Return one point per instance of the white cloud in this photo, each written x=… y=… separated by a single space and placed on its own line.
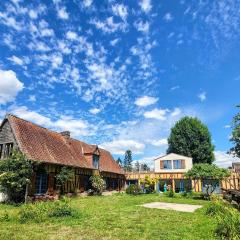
x=108 y=26
x=202 y=96
x=10 y=86
x=77 y=127
x=62 y=13
x=71 y=35
x=142 y=26
x=114 y=41
x=56 y=60
x=159 y=143
x=120 y=10
x=120 y=146
x=145 y=5
x=95 y=110
x=156 y=113
x=33 y=14
x=32 y=98
x=168 y=17
x=224 y=160
x=176 y=112
x=145 y=101
x=16 y=60
x=87 y=3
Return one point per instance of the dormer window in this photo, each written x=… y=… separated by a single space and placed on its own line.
x=95 y=161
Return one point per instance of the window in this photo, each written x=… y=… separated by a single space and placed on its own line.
x=177 y=164
x=8 y=149
x=41 y=183
x=95 y=161
x=1 y=150
x=167 y=164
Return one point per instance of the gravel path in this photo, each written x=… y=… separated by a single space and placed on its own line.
x=172 y=206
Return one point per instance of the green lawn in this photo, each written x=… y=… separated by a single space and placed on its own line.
x=115 y=217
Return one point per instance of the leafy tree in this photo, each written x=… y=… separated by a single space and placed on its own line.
x=235 y=138
x=148 y=184
x=119 y=161
x=65 y=174
x=145 y=167
x=98 y=184
x=127 y=164
x=15 y=177
x=203 y=171
x=191 y=138
x=137 y=166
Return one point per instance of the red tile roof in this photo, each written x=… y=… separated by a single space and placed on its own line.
x=41 y=144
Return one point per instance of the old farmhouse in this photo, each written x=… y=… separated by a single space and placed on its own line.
x=54 y=150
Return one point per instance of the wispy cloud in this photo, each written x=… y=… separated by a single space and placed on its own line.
x=145 y=101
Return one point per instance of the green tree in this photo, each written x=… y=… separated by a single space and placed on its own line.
x=137 y=166
x=203 y=171
x=15 y=177
x=191 y=138
x=65 y=174
x=127 y=164
x=235 y=138
x=119 y=161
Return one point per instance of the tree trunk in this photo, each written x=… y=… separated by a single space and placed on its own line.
x=26 y=193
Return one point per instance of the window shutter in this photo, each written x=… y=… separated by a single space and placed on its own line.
x=183 y=164
x=161 y=165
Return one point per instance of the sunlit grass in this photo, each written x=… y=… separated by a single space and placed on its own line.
x=114 y=217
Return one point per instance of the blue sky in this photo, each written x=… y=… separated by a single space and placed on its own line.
x=121 y=73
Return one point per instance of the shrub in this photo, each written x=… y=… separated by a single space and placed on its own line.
x=98 y=184
x=61 y=209
x=215 y=208
x=133 y=189
x=170 y=193
x=147 y=184
x=5 y=217
x=39 y=212
x=228 y=226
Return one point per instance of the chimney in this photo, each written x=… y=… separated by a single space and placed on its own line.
x=66 y=134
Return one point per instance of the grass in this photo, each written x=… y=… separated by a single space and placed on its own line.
x=114 y=217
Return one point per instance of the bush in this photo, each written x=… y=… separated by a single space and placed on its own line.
x=170 y=193
x=133 y=189
x=228 y=226
x=5 y=217
x=39 y=212
x=98 y=184
x=216 y=208
x=61 y=209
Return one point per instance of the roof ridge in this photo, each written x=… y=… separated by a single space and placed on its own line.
x=50 y=130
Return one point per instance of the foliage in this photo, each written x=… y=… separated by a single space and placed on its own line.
x=144 y=167
x=65 y=174
x=98 y=184
x=215 y=208
x=61 y=209
x=170 y=193
x=235 y=137
x=127 y=163
x=15 y=176
x=207 y=171
x=119 y=161
x=228 y=226
x=133 y=189
x=137 y=166
x=148 y=184
x=191 y=138
x=5 y=217
x=41 y=211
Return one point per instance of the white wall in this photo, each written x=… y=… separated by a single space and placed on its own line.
x=172 y=156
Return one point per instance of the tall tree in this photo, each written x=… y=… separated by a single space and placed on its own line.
x=128 y=161
x=137 y=166
x=235 y=138
x=191 y=138
x=119 y=161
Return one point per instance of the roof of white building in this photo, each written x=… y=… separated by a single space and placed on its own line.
x=172 y=156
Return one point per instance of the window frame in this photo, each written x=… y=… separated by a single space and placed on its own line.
x=179 y=165
x=8 y=148
x=168 y=164
x=41 y=184
x=1 y=150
